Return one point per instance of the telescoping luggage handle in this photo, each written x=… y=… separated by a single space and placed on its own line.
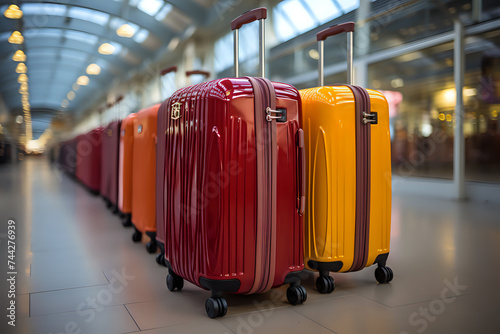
x=321 y=36
x=259 y=14
x=194 y=72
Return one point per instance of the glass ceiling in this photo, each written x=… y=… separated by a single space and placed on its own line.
x=312 y=13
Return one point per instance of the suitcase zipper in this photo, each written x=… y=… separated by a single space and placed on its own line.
x=363 y=160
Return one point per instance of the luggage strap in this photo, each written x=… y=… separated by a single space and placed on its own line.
x=266 y=199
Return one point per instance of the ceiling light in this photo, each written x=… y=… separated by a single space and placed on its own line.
x=125 y=31
x=22 y=78
x=19 y=56
x=71 y=95
x=314 y=54
x=64 y=103
x=106 y=49
x=24 y=87
x=75 y=87
x=21 y=68
x=13 y=12
x=93 y=69
x=83 y=80
x=16 y=38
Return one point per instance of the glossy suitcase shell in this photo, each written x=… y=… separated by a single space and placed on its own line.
x=125 y=164
x=144 y=174
x=330 y=126
x=89 y=159
x=109 y=164
x=348 y=164
x=210 y=186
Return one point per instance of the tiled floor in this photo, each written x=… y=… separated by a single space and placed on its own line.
x=79 y=272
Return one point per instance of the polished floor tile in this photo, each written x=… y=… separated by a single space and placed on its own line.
x=75 y=259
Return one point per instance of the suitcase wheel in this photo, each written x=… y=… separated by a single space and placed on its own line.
x=174 y=282
x=216 y=307
x=325 y=284
x=160 y=259
x=127 y=222
x=137 y=236
x=296 y=294
x=151 y=247
x=384 y=274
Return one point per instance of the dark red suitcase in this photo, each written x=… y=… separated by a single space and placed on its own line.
x=233 y=147
x=109 y=164
x=88 y=168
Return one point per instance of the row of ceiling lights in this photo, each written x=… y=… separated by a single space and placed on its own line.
x=125 y=31
x=13 y=12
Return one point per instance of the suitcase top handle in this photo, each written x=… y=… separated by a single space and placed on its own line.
x=249 y=17
x=259 y=14
x=168 y=70
x=335 y=30
x=321 y=36
x=194 y=72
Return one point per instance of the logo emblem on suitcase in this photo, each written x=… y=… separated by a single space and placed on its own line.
x=110 y=132
x=176 y=110
x=139 y=129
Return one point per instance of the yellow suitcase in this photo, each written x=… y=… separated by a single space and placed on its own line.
x=348 y=166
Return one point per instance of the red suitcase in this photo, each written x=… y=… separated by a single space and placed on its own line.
x=233 y=147
x=160 y=164
x=109 y=164
x=88 y=168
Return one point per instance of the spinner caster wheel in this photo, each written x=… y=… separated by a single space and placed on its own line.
x=159 y=259
x=216 y=307
x=296 y=295
x=151 y=247
x=127 y=222
x=325 y=284
x=174 y=282
x=384 y=275
x=137 y=236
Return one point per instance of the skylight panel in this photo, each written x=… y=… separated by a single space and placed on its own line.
x=295 y=10
x=88 y=15
x=164 y=12
x=323 y=10
x=141 y=36
x=348 y=5
x=43 y=8
x=150 y=7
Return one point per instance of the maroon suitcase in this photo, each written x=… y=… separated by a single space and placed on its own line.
x=109 y=164
x=88 y=168
x=160 y=167
x=233 y=185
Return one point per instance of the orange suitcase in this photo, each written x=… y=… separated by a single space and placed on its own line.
x=125 y=168
x=348 y=165
x=144 y=176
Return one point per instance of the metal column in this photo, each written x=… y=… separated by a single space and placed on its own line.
x=459 y=141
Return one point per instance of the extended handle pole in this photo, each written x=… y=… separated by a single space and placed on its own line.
x=332 y=31
x=259 y=14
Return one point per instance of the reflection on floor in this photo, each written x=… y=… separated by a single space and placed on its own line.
x=79 y=272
